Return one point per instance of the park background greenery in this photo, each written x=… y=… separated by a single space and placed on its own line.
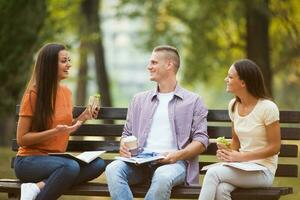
x=210 y=35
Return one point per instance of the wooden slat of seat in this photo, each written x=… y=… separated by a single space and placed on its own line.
x=191 y=192
x=283 y=170
x=10 y=185
x=89 y=189
x=272 y=193
x=178 y=192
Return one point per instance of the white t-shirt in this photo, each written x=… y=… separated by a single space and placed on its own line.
x=251 y=129
x=160 y=138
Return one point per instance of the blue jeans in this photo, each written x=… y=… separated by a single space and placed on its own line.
x=58 y=173
x=120 y=175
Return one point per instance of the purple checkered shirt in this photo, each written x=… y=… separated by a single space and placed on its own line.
x=187 y=115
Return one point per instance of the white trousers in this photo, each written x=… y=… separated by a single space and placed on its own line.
x=220 y=181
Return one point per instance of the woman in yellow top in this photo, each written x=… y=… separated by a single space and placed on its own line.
x=255 y=135
x=44 y=126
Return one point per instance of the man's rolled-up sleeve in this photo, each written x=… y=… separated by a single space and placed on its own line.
x=199 y=124
x=127 y=130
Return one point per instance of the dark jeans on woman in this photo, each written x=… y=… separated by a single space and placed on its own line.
x=58 y=173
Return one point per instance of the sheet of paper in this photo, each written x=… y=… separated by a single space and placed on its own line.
x=88 y=156
x=136 y=160
x=85 y=157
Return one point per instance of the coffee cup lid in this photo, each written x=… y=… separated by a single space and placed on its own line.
x=130 y=138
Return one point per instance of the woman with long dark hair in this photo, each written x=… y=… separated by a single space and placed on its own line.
x=255 y=135
x=44 y=126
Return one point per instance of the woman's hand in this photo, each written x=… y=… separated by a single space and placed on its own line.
x=88 y=114
x=92 y=113
x=68 y=129
x=229 y=155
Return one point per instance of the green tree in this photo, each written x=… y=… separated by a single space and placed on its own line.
x=92 y=41
x=212 y=34
x=21 y=22
x=257 y=37
x=83 y=28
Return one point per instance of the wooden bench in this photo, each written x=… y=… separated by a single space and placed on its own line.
x=104 y=136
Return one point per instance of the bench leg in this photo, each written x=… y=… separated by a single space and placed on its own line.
x=13 y=196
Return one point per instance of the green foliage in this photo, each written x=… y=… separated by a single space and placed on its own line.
x=285 y=35
x=62 y=22
x=208 y=34
x=212 y=34
x=21 y=22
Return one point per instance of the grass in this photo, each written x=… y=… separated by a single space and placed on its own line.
x=7 y=172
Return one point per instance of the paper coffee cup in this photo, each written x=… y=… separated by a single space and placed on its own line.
x=131 y=143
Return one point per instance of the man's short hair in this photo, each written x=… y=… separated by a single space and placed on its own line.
x=171 y=53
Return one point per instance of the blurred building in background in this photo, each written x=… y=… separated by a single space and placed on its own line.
x=126 y=63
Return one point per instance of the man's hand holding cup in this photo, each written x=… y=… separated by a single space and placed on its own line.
x=129 y=146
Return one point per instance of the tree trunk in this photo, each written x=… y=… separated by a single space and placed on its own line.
x=90 y=9
x=82 y=75
x=257 y=26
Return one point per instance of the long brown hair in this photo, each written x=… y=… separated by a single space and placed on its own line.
x=251 y=74
x=44 y=80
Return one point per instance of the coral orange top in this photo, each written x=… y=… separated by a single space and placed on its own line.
x=62 y=115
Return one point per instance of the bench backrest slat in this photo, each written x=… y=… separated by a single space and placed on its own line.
x=222 y=116
x=287 y=150
x=213 y=115
x=100 y=130
x=105 y=112
x=214 y=131
x=286 y=133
